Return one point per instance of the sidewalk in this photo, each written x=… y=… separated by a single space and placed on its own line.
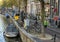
x=37 y=39
x=54 y=29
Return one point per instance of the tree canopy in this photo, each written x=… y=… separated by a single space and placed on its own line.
x=9 y=3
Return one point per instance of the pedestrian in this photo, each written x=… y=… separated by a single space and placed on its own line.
x=22 y=16
x=45 y=23
x=13 y=12
x=16 y=17
x=59 y=24
x=26 y=23
x=7 y=15
x=56 y=22
x=36 y=21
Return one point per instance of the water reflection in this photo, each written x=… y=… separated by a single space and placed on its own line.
x=1 y=29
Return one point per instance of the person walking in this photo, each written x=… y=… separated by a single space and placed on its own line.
x=59 y=24
x=26 y=23
x=46 y=23
x=13 y=12
x=16 y=17
x=7 y=15
x=22 y=16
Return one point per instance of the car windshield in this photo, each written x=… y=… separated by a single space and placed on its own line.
x=11 y=28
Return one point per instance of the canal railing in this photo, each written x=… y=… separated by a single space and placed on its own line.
x=26 y=37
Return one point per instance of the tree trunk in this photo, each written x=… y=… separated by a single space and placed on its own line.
x=25 y=6
x=42 y=16
x=19 y=6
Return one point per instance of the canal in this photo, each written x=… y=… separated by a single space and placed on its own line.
x=3 y=25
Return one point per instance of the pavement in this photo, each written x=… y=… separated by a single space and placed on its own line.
x=51 y=40
x=53 y=31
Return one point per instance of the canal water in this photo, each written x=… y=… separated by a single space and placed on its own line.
x=3 y=25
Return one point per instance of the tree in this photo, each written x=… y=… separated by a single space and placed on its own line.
x=1 y=2
x=9 y=3
x=42 y=16
x=25 y=6
x=4 y=4
x=19 y=3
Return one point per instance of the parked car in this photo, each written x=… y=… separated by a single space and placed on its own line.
x=11 y=31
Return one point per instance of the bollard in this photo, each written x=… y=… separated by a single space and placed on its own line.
x=55 y=38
